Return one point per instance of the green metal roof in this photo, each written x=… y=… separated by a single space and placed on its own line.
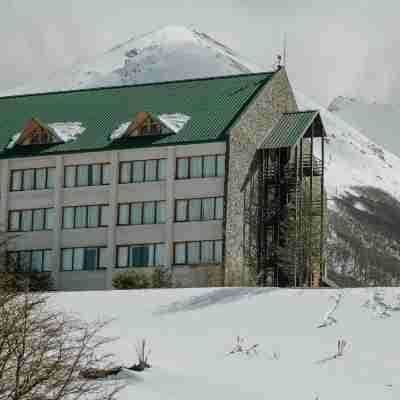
x=289 y=129
x=213 y=105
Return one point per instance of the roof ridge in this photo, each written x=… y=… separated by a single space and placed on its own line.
x=269 y=73
x=299 y=112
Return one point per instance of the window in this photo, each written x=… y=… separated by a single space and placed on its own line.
x=31 y=260
x=87 y=175
x=32 y=179
x=206 y=209
x=148 y=212
x=141 y=255
x=203 y=252
x=83 y=258
x=142 y=171
x=85 y=216
x=39 y=219
x=200 y=166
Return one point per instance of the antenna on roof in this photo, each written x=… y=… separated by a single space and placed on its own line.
x=285 y=50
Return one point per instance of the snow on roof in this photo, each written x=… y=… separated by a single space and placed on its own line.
x=120 y=131
x=67 y=131
x=13 y=140
x=175 y=122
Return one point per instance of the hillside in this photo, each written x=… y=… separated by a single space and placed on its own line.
x=354 y=161
x=191 y=332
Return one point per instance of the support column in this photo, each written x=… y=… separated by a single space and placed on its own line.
x=58 y=201
x=170 y=208
x=112 y=226
x=5 y=185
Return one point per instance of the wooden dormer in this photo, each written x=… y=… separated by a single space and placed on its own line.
x=35 y=133
x=144 y=124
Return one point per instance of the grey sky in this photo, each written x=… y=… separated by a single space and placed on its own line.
x=345 y=47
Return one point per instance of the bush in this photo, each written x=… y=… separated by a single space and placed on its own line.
x=161 y=278
x=33 y=281
x=131 y=280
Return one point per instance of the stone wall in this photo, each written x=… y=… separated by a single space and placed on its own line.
x=251 y=128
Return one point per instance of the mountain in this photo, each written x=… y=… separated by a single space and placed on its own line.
x=170 y=53
x=362 y=184
x=379 y=122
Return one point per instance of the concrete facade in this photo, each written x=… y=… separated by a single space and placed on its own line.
x=167 y=190
x=248 y=132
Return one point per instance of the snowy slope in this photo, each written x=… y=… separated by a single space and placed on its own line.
x=352 y=159
x=190 y=332
x=170 y=53
x=379 y=122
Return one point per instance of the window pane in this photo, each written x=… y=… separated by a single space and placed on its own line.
x=139 y=256
x=162 y=169
x=50 y=218
x=68 y=217
x=138 y=171
x=193 y=249
x=29 y=181
x=220 y=165
x=123 y=256
x=14 y=221
x=105 y=216
x=149 y=212
x=123 y=214
x=79 y=258
x=46 y=260
x=208 y=209
x=183 y=168
x=125 y=172
x=150 y=261
x=207 y=251
x=93 y=216
x=96 y=174
x=67 y=259
x=69 y=179
x=159 y=254
x=195 y=210
x=26 y=221
x=80 y=217
x=181 y=210
x=16 y=180
x=36 y=265
x=161 y=212
x=209 y=166
x=218 y=251
x=82 y=172
x=180 y=253
x=136 y=214
x=196 y=167
x=41 y=178
x=50 y=178
x=103 y=257
x=38 y=220
x=24 y=261
x=90 y=259
x=106 y=174
x=151 y=170
x=219 y=208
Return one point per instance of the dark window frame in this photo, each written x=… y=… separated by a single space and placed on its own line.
x=21 y=189
x=20 y=211
x=129 y=246
x=201 y=209
x=90 y=175
x=98 y=267
x=141 y=203
x=130 y=181
x=189 y=158
x=213 y=262
x=99 y=216
x=29 y=266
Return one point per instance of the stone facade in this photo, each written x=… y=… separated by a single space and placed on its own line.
x=248 y=132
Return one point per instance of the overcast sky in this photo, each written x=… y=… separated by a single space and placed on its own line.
x=341 y=47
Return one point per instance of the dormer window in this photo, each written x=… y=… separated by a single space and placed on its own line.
x=42 y=137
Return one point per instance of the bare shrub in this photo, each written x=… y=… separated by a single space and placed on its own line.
x=143 y=354
x=46 y=354
x=240 y=348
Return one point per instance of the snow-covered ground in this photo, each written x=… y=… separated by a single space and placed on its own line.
x=191 y=332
